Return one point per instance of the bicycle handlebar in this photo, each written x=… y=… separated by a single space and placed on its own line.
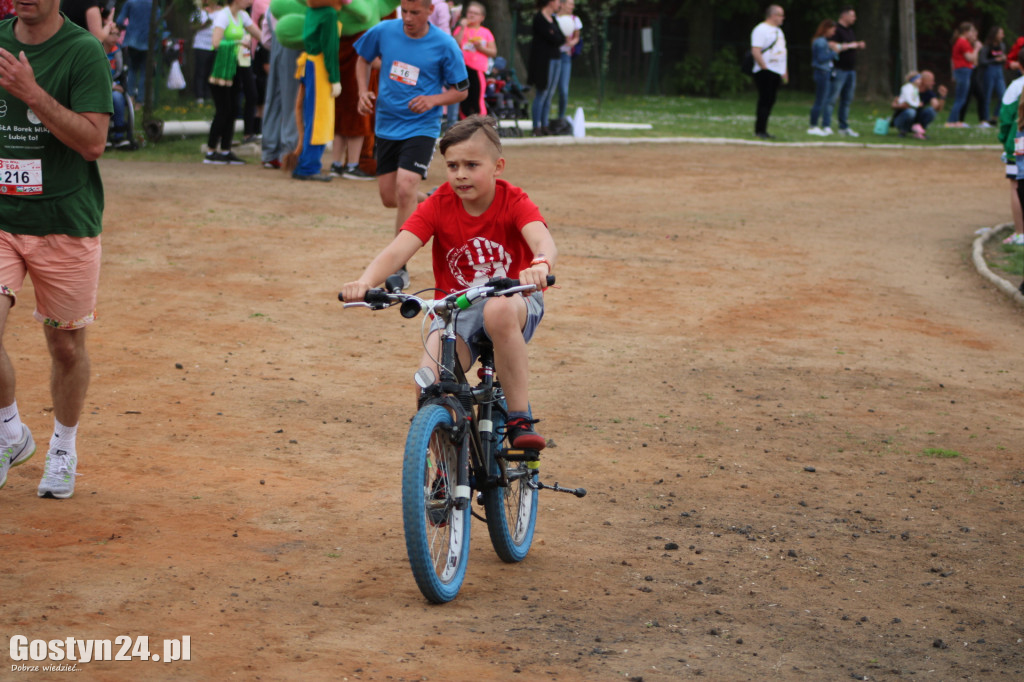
x=499 y=286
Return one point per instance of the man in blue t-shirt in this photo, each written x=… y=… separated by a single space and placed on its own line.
x=417 y=61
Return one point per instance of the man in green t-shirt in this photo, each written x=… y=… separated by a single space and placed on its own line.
x=55 y=107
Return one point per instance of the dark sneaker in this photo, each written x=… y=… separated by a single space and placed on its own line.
x=338 y=170
x=356 y=173
x=229 y=157
x=438 y=515
x=521 y=435
x=215 y=158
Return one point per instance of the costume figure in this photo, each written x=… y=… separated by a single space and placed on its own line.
x=318 y=71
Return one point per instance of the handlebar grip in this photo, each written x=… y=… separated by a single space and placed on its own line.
x=377 y=297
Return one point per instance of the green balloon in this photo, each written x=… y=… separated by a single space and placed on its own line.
x=282 y=8
x=289 y=30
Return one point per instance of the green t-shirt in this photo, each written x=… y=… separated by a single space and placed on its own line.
x=45 y=186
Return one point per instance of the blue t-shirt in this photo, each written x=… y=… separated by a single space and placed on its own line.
x=410 y=67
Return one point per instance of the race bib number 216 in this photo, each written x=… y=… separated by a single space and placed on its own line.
x=21 y=176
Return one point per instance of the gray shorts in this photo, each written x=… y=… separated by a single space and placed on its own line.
x=469 y=324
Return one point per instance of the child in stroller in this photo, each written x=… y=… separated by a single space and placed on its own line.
x=506 y=98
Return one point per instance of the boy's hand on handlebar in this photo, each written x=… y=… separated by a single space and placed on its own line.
x=536 y=275
x=354 y=292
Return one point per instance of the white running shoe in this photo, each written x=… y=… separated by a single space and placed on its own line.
x=16 y=453
x=58 y=475
x=849 y=132
x=826 y=131
x=815 y=130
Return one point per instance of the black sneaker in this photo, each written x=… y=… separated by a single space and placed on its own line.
x=338 y=170
x=215 y=158
x=355 y=173
x=521 y=435
x=229 y=157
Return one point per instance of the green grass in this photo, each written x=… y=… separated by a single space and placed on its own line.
x=669 y=116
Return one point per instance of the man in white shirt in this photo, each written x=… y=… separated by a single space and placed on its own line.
x=768 y=47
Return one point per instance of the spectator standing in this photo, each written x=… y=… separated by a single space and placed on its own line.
x=134 y=23
x=90 y=15
x=768 y=47
x=417 y=61
x=202 y=51
x=280 y=130
x=55 y=83
x=230 y=26
x=965 y=55
x=845 y=83
x=477 y=45
x=823 y=63
x=991 y=62
x=545 y=62
x=6 y=9
x=571 y=26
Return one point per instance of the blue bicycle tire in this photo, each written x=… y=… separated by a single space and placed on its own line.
x=512 y=511
x=436 y=533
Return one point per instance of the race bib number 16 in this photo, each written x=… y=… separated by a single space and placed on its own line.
x=404 y=73
x=21 y=176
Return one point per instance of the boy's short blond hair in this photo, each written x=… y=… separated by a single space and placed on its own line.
x=467 y=127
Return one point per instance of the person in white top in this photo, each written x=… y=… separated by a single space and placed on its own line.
x=768 y=47
x=571 y=27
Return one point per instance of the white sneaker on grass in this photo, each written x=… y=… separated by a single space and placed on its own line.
x=58 y=475
x=16 y=453
x=815 y=130
x=826 y=131
x=849 y=132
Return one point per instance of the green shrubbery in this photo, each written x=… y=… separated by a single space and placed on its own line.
x=722 y=78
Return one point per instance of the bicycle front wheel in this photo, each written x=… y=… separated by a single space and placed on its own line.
x=436 y=533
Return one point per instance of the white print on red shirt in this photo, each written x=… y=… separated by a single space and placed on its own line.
x=488 y=259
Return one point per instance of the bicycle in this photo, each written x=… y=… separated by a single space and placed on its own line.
x=456 y=444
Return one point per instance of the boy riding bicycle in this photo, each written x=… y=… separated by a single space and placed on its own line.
x=482 y=227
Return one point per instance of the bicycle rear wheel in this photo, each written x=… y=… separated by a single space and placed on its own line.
x=512 y=511
x=436 y=533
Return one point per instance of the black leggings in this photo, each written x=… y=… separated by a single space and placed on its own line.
x=225 y=103
x=767 y=83
x=471 y=105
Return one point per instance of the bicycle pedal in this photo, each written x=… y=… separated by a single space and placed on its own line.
x=521 y=455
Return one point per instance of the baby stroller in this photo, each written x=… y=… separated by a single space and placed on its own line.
x=506 y=98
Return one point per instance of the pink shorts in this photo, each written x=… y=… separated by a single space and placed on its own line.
x=65 y=272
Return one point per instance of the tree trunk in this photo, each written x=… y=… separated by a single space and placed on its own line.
x=499 y=21
x=874 y=63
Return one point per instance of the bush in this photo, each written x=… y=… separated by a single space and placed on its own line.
x=722 y=78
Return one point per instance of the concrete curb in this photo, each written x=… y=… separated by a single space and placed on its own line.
x=978 y=255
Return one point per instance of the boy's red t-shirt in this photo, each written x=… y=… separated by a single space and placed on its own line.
x=469 y=250
x=960 y=48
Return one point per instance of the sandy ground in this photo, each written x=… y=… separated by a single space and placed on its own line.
x=794 y=402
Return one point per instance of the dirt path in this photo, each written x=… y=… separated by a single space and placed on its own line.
x=794 y=402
